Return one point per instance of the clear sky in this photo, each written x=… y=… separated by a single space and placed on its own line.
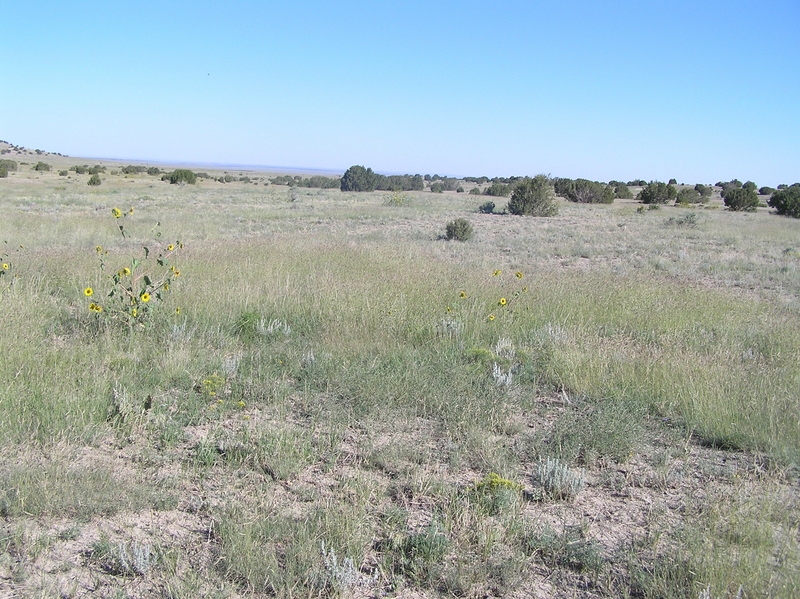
x=601 y=89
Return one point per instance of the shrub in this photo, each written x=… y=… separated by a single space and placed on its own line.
x=182 y=175
x=437 y=187
x=94 y=180
x=766 y=191
x=486 y=208
x=786 y=201
x=704 y=190
x=63 y=173
x=154 y=170
x=533 y=197
x=41 y=167
x=740 y=199
x=459 y=229
x=689 y=196
x=475 y=191
x=498 y=190
x=750 y=185
x=622 y=192
x=657 y=193
x=358 y=178
x=3 y=171
x=589 y=192
x=673 y=181
x=10 y=165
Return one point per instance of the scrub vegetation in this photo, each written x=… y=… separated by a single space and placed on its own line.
x=243 y=389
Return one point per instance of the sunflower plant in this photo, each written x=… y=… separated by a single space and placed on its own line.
x=136 y=286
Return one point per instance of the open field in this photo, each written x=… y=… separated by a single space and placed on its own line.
x=330 y=399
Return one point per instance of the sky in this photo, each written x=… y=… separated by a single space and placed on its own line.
x=605 y=90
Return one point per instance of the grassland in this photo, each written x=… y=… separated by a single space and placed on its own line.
x=598 y=404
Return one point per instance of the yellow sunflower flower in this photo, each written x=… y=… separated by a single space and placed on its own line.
x=88 y=292
x=145 y=297
x=116 y=212
x=6 y=266
x=170 y=247
x=519 y=275
x=497 y=273
x=491 y=316
x=463 y=295
x=503 y=301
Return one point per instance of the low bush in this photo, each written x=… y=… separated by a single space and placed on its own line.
x=740 y=199
x=786 y=201
x=486 y=208
x=589 y=192
x=459 y=229
x=41 y=167
x=657 y=193
x=533 y=197
x=94 y=180
x=689 y=196
x=182 y=175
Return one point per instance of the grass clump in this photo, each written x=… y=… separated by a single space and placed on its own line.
x=556 y=481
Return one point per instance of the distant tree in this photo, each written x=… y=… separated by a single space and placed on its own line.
x=41 y=167
x=589 y=192
x=94 y=180
x=637 y=183
x=498 y=190
x=704 y=190
x=358 y=178
x=657 y=192
x=154 y=170
x=561 y=186
x=437 y=187
x=766 y=191
x=687 y=195
x=750 y=185
x=738 y=198
x=533 y=197
x=475 y=191
x=622 y=191
x=182 y=175
x=786 y=201
x=673 y=181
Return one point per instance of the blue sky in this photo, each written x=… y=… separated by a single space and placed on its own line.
x=699 y=91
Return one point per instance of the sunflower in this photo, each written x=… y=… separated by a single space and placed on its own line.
x=125 y=271
x=491 y=316
x=145 y=297
x=519 y=275
x=503 y=301
x=463 y=295
x=170 y=247
x=116 y=212
x=178 y=310
x=88 y=292
x=98 y=249
x=6 y=266
x=497 y=273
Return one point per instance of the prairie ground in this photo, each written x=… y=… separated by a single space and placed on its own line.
x=321 y=396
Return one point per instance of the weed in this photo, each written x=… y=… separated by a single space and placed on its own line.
x=556 y=481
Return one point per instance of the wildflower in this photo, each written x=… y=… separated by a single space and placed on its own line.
x=92 y=306
x=497 y=273
x=145 y=297
x=125 y=271
x=449 y=309
x=131 y=210
x=88 y=292
x=177 y=273
x=519 y=275
x=98 y=308
x=241 y=404
x=166 y=287
x=502 y=301
x=116 y=212
x=491 y=316
x=525 y=289
x=178 y=310
x=98 y=249
x=134 y=312
x=170 y=247
x=6 y=266
x=463 y=295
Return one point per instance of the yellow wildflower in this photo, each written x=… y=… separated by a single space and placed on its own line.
x=6 y=266
x=145 y=297
x=88 y=292
x=463 y=295
x=98 y=249
x=491 y=316
x=170 y=247
x=116 y=212
x=178 y=310
x=502 y=301
x=126 y=271
x=497 y=273
x=519 y=275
